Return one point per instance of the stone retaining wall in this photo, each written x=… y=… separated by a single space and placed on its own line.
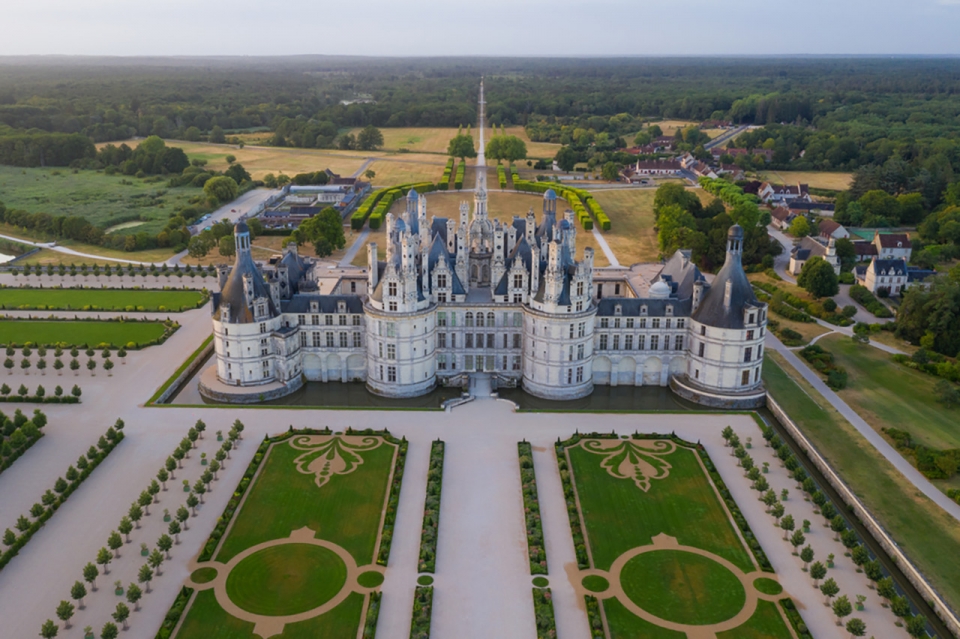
x=166 y=395
x=883 y=538
x=717 y=400
x=250 y=394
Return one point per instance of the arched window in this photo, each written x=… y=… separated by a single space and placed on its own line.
x=468 y=319
x=491 y=319
x=479 y=319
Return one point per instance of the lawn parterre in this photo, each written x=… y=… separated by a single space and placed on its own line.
x=296 y=558
x=100 y=299
x=93 y=333
x=637 y=500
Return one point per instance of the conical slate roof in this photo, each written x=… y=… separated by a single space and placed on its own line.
x=714 y=310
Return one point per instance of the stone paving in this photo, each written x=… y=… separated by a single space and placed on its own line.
x=483 y=585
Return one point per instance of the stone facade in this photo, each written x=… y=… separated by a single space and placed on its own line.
x=455 y=297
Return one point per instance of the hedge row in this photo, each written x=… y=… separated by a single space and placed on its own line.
x=422 y=608
x=793 y=615
x=531 y=509
x=567 y=194
x=594 y=617
x=390 y=517
x=131 y=269
x=954 y=494
x=822 y=360
x=12 y=445
x=502 y=176
x=866 y=299
x=174 y=614
x=932 y=462
x=514 y=174
x=814 y=309
x=373 y=613
x=359 y=217
x=431 y=510
x=451 y=179
x=728 y=192
x=931 y=363
x=543 y=613
x=64 y=488
x=447 y=172
x=458 y=179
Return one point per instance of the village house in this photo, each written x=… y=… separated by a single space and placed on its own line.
x=808 y=248
x=830 y=229
x=776 y=193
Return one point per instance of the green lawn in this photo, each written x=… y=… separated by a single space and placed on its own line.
x=889 y=395
x=927 y=534
x=104 y=200
x=346 y=510
x=619 y=516
x=79 y=332
x=764 y=623
x=99 y=299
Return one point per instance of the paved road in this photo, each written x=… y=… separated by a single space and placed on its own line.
x=355 y=248
x=233 y=210
x=899 y=462
x=726 y=137
x=605 y=248
x=782 y=261
x=53 y=246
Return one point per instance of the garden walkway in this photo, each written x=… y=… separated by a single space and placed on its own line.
x=913 y=475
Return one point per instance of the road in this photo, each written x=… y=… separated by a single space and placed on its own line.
x=726 y=136
x=232 y=211
x=53 y=246
x=782 y=261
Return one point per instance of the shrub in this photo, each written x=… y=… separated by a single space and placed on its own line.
x=865 y=298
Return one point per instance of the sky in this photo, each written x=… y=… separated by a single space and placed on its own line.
x=494 y=27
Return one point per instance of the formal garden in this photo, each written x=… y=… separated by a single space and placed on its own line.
x=113 y=333
x=656 y=547
x=301 y=548
x=102 y=299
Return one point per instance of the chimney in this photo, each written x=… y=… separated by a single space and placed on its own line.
x=727 y=294
x=372 y=265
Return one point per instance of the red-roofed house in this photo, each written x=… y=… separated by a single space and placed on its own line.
x=892 y=246
x=783 y=193
x=829 y=228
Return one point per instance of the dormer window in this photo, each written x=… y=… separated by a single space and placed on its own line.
x=643 y=310
x=261 y=309
x=669 y=309
x=341 y=307
x=442 y=280
x=750 y=318
x=618 y=310
x=314 y=307
x=392 y=289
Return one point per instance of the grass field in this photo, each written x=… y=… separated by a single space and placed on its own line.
x=501 y=206
x=679 y=586
x=816 y=179
x=888 y=395
x=76 y=333
x=407 y=168
x=927 y=534
x=346 y=510
x=98 y=299
x=99 y=198
x=436 y=139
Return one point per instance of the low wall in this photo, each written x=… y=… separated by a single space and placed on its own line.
x=883 y=538
x=185 y=375
x=716 y=400
x=250 y=394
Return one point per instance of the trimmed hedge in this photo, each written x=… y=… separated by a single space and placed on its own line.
x=6 y=460
x=793 y=615
x=106 y=444
x=390 y=517
x=204 y=298
x=359 y=217
x=537 y=552
x=174 y=614
x=431 y=510
x=422 y=608
x=458 y=176
x=543 y=613
x=447 y=172
x=866 y=299
x=451 y=178
x=373 y=613
x=822 y=360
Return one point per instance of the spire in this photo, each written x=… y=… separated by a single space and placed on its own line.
x=734 y=244
x=241 y=233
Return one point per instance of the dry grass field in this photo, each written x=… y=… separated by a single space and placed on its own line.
x=816 y=179
x=406 y=168
x=435 y=140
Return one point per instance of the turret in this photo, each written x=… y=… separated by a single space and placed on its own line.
x=531 y=227
x=241 y=239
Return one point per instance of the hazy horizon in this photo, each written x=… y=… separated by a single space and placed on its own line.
x=534 y=28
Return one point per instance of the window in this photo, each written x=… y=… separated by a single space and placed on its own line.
x=442 y=319
x=468 y=319
x=629 y=322
x=442 y=361
x=468 y=362
x=442 y=298
x=616 y=289
x=315 y=320
x=328 y=320
x=581 y=329
x=569 y=375
x=316 y=339
x=518 y=298
x=516 y=363
x=655 y=322
x=356 y=320
x=668 y=324
x=303 y=339
x=489 y=362
x=441 y=340
x=745 y=378
x=628 y=342
x=391 y=351
x=604 y=322
x=759 y=351
x=261 y=309
x=391 y=373
x=506 y=341
x=353 y=287
x=571 y=331
x=381 y=373
x=700 y=350
x=603 y=341
x=747 y=354
x=641 y=342
x=579 y=306
x=579 y=374
x=479 y=319
x=226 y=331
x=681 y=323
x=263 y=328
x=343 y=339
x=580 y=288
x=616 y=322
x=654 y=342
x=756 y=374
x=392 y=306
x=750 y=335
x=616 y=342
x=516 y=340
x=491 y=340
x=391 y=329
x=491 y=319
x=453 y=340
x=518 y=280
x=357 y=340
x=453 y=362
x=330 y=340
x=468 y=340
x=517 y=319
x=750 y=319
x=678 y=342
x=392 y=289
x=442 y=280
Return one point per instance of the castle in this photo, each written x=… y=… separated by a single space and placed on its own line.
x=456 y=297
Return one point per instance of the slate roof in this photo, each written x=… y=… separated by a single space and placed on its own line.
x=712 y=311
x=630 y=307
x=232 y=292
x=889 y=267
x=327 y=303
x=894 y=240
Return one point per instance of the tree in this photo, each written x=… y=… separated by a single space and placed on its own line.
x=238 y=173
x=324 y=231
x=49 y=629
x=156 y=560
x=800 y=227
x=610 y=172
x=917 y=626
x=121 y=614
x=461 y=146
x=369 y=138
x=182 y=516
x=144 y=576
x=217 y=136
x=135 y=514
x=818 y=278
x=817 y=571
x=806 y=555
x=509 y=148
x=841 y=608
x=65 y=611
x=192 y=503
x=133 y=595
x=566 y=159
x=200 y=488
x=829 y=588
x=115 y=543
x=90 y=574
x=109 y=631
x=221 y=189
x=370 y=174
x=171 y=466
x=174 y=529
x=856 y=627
x=787 y=524
x=145 y=499
x=796 y=540
x=125 y=528
x=9 y=537
x=165 y=543
x=163 y=476
x=77 y=592
x=104 y=557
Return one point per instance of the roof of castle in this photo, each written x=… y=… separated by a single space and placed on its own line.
x=712 y=310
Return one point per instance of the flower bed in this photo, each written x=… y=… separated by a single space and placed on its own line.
x=537 y=552
x=431 y=510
